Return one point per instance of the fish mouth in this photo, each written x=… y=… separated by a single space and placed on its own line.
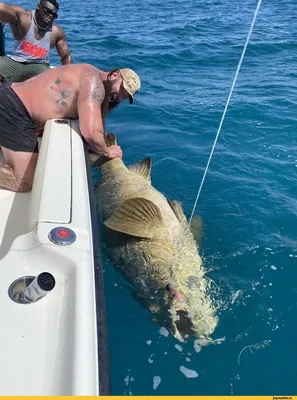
x=181 y=318
x=182 y=325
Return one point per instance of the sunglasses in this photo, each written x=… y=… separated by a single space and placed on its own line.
x=50 y=12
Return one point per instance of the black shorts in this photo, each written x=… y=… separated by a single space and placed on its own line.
x=17 y=129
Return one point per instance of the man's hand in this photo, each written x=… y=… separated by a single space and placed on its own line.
x=101 y=158
x=113 y=152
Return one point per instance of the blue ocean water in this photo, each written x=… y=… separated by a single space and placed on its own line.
x=186 y=53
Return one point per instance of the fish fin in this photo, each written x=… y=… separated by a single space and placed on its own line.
x=197 y=228
x=143 y=168
x=136 y=217
x=178 y=210
x=111 y=140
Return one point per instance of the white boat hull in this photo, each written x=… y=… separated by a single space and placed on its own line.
x=50 y=347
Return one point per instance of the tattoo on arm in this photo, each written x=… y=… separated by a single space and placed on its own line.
x=91 y=88
x=64 y=93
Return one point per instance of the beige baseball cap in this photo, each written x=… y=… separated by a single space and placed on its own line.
x=131 y=82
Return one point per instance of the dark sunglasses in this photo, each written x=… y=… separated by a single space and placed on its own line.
x=50 y=12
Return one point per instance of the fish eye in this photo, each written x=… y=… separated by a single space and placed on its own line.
x=169 y=287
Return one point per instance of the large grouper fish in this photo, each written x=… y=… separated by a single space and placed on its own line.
x=148 y=238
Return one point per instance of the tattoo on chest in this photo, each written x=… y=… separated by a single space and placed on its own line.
x=64 y=93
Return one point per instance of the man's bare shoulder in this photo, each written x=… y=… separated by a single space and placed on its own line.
x=76 y=73
x=88 y=71
x=23 y=15
x=19 y=10
x=57 y=31
x=91 y=85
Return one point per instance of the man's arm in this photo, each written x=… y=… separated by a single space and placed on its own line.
x=9 y=14
x=62 y=47
x=90 y=98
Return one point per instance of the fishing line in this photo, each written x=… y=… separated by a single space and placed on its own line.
x=226 y=107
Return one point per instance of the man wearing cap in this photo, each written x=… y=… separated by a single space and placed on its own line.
x=34 y=34
x=70 y=91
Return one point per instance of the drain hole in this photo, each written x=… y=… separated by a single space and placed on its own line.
x=17 y=288
x=61 y=121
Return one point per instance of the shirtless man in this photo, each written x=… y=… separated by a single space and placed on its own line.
x=71 y=91
x=34 y=34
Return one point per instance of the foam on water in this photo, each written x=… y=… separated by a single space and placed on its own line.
x=189 y=373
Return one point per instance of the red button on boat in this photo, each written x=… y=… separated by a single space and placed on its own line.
x=63 y=233
x=62 y=236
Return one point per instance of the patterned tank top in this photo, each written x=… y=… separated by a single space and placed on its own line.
x=29 y=49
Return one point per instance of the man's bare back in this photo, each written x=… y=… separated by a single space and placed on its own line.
x=54 y=93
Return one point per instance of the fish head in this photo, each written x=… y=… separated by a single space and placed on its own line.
x=184 y=305
x=177 y=291
x=181 y=316
x=170 y=309
x=167 y=303
x=190 y=313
